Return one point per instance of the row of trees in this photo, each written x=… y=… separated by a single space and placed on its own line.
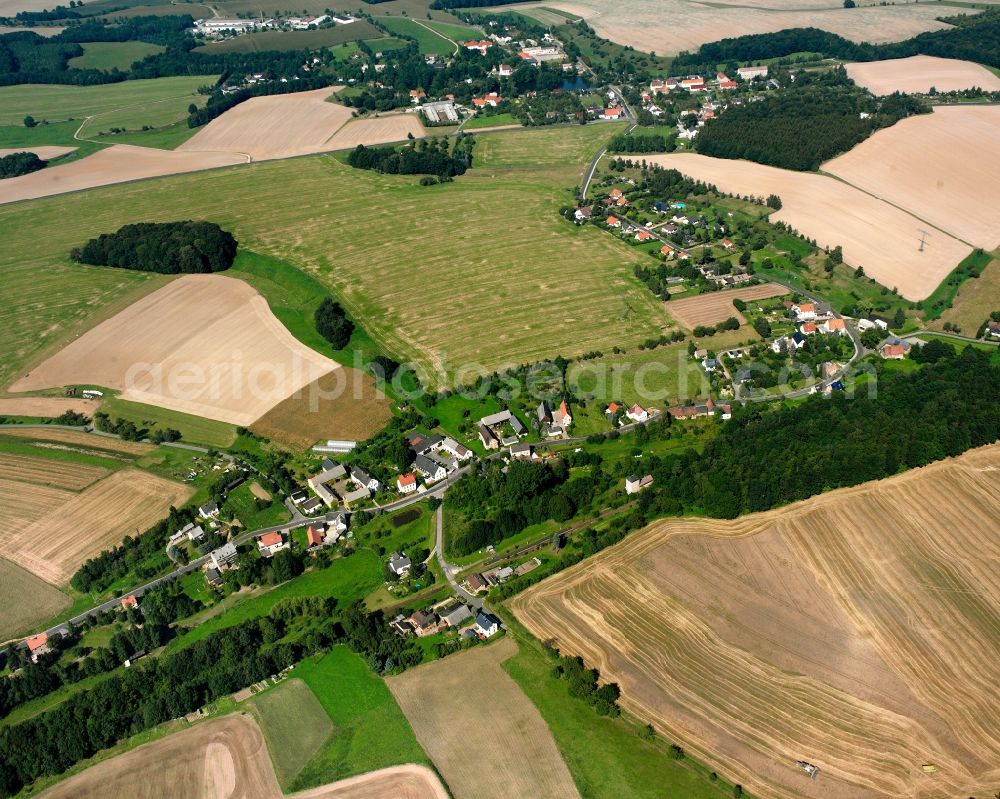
x=425 y=157
x=641 y=142
x=163 y=247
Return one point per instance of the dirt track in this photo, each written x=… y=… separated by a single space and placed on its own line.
x=917 y=74
x=943 y=167
x=856 y=630
x=874 y=234
x=207 y=345
x=226 y=758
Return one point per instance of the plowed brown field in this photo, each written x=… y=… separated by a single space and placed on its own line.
x=226 y=758
x=919 y=73
x=207 y=345
x=858 y=630
x=717 y=306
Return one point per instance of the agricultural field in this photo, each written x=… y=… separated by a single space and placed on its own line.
x=874 y=234
x=430 y=41
x=717 y=306
x=20 y=616
x=854 y=630
x=975 y=301
x=113 y=55
x=670 y=26
x=925 y=165
x=46 y=406
x=129 y=104
x=440 y=700
x=309 y=212
x=920 y=73
x=45 y=153
x=267 y=41
x=205 y=345
x=47 y=472
x=119 y=163
x=193 y=429
x=385 y=129
x=295 y=726
x=33 y=529
x=76 y=440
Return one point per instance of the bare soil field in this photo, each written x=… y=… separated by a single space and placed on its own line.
x=93 y=442
x=50 y=532
x=44 y=471
x=46 y=406
x=226 y=758
x=708 y=309
x=943 y=167
x=376 y=130
x=45 y=153
x=120 y=163
x=668 y=26
x=856 y=631
x=885 y=240
x=206 y=345
x=918 y=74
x=441 y=701
x=18 y=615
x=343 y=404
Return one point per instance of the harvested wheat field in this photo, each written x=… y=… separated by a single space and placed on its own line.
x=20 y=616
x=43 y=471
x=273 y=127
x=51 y=532
x=377 y=130
x=226 y=758
x=668 y=26
x=119 y=163
x=717 y=306
x=883 y=239
x=858 y=631
x=92 y=443
x=46 y=406
x=207 y=345
x=440 y=700
x=943 y=167
x=343 y=404
x=918 y=74
x=45 y=153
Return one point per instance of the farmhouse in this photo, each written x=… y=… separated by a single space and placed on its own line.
x=475 y=583
x=635 y=484
x=406 y=483
x=429 y=469
x=399 y=564
x=804 y=310
x=491 y=428
x=331 y=471
x=458 y=451
x=561 y=416
x=270 y=543
x=749 y=73
x=362 y=479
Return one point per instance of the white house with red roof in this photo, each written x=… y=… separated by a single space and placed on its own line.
x=561 y=416
x=37 y=645
x=130 y=602
x=808 y=329
x=613 y=221
x=481 y=45
x=271 y=543
x=643 y=235
x=804 y=310
x=693 y=84
x=505 y=70
x=835 y=326
x=406 y=483
x=637 y=414
x=492 y=99
x=612 y=113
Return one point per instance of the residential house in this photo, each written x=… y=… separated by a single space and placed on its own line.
x=362 y=479
x=643 y=235
x=212 y=577
x=727 y=244
x=835 y=326
x=406 y=483
x=637 y=414
x=613 y=221
x=487 y=437
x=804 y=310
x=692 y=84
x=475 y=583
x=399 y=564
x=424 y=623
x=894 y=349
x=401 y=626
x=315 y=536
x=700 y=354
x=481 y=45
x=561 y=416
x=458 y=451
x=522 y=451
x=336 y=523
x=725 y=411
x=993 y=329
x=808 y=329
x=453 y=616
x=416 y=95
x=37 y=645
x=723 y=81
x=311 y=505
x=749 y=73
x=130 y=602
x=616 y=195
x=505 y=70
x=492 y=99
x=223 y=556
x=271 y=543
x=429 y=469
x=661 y=207
x=194 y=532
x=611 y=412
x=612 y=113
x=210 y=510
x=583 y=214
x=544 y=413
x=487 y=625
x=635 y=484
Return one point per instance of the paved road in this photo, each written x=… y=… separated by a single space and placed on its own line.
x=592 y=168
x=448 y=569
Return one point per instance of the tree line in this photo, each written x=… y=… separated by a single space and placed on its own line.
x=164 y=247
x=639 y=142
x=424 y=157
x=20 y=164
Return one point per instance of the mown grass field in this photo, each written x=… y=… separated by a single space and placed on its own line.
x=494 y=120
x=294 y=725
x=369 y=730
x=429 y=42
x=19 y=615
x=293 y=40
x=428 y=271
x=129 y=104
x=193 y=429
x=109 y=55
x=457 y=33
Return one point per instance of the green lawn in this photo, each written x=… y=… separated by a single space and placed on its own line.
x=58 y=133
x=129 y=104
x=240 y=504
x=109 y=55
x=267 y=41
x=457 y=33
x=369 y=730
x=493 y=120
x=295 y=726
x=19 y=446
x=428 y=41
x=606 y=757
x=557 y=288
x=194 y=429
x=166 y=138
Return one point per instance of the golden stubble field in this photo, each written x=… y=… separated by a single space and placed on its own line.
x=207 y=345
x=443 y=703
x=717 y=306
x=666 y=27
x=885 y=240
x=943 y=167
x=857 y=630
x=919 y=73
x=226 y=758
